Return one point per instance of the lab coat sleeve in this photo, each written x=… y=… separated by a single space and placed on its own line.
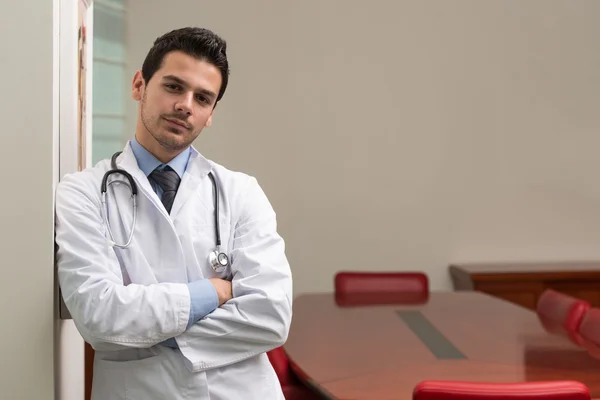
x=108 y=314
x=258 y=317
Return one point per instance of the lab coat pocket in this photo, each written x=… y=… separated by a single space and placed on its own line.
x=131 y=380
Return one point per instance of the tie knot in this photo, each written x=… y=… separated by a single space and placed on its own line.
x=167 y=179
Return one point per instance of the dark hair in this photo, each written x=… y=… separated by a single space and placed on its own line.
x=200 y=43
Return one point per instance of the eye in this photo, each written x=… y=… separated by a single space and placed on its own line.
x=202 y=99
x=173 y=87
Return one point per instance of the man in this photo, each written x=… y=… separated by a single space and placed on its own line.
x=141 y=286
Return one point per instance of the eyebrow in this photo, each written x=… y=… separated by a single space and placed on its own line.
x=180 y=81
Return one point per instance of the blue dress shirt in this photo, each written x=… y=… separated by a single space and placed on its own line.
x=203 y=295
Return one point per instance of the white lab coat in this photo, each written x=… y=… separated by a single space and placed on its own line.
x=124 y=302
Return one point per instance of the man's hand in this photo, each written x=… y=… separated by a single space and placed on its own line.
x=223 y=288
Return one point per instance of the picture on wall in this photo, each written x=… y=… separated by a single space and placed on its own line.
x=81 y=92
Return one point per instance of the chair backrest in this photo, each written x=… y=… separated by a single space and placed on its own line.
x=589 y=331
x=281 y=365
x=562 y=314
x=348 y=282
x=551 y=390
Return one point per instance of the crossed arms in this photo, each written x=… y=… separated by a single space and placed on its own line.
x=213 y=324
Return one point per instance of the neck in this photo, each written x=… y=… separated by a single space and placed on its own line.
x=147 y=141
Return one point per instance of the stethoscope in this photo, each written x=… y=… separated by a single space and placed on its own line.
x=217 y=259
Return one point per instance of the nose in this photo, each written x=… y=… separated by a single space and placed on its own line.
x=184 y=104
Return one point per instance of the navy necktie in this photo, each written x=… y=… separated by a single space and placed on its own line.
x=168 y=180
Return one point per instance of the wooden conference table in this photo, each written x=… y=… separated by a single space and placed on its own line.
x=382 y=352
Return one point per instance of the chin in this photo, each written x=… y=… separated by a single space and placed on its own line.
x=174 y=142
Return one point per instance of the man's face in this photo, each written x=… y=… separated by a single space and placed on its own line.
x=177 y=102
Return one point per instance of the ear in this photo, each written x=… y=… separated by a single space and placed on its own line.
x=209 y=120
x=138 y=86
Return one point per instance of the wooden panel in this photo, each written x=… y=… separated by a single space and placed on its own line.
x=461 y=279
x=524 y=294
x=523 y=283
x=89 y=370
x=371 y=353
x=586 y=270
x=523 y=299
x=588 y=291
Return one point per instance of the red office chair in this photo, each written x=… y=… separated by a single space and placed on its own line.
x=561 y=314
x=589 y=332
x=362 y=288
x=551 y=390
x=293 y=389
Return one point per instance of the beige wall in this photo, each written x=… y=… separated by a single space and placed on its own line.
x=404 y=135
x=26 y=203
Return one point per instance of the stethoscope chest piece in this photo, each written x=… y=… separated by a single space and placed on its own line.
x=218 y=261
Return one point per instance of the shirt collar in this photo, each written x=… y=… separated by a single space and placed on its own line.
x=148 y=163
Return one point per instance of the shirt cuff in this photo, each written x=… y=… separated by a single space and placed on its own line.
x=203 y=300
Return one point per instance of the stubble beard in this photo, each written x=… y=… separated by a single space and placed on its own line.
x=151 y=124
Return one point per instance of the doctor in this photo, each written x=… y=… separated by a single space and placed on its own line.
x=164 y=322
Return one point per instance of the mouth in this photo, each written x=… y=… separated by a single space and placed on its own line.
x=177 y=123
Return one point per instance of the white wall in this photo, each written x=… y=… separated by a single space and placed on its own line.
x=26 y=202
x=407 y=134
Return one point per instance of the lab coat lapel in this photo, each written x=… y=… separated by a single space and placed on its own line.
x=165 y=269
x=197 y=169
x=128 y=162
